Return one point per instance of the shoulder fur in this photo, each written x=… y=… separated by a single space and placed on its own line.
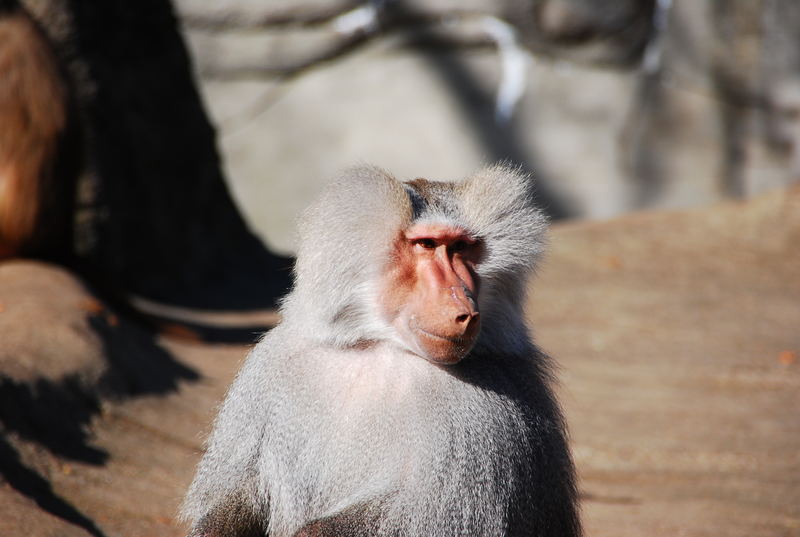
x=345 y=238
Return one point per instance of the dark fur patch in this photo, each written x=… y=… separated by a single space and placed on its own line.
x=432 y=197
x=235 y=517
x=358 y=521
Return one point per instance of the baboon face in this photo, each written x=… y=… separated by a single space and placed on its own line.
x=430 y=291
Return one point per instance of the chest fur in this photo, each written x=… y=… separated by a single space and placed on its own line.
x=390 y=428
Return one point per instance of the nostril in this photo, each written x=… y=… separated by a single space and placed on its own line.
x=465 y=318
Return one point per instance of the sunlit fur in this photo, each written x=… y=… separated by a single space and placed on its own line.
x=344 y=239
x=350 y=230
x=332 y=420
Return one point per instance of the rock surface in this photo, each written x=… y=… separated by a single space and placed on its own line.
x=680 y=351
x=677 y=336
x=639 y=104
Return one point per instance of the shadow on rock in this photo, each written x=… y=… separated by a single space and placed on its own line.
x=137 y=365
x=32 y=485
x=55 y=414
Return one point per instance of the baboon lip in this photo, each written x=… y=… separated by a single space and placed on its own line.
x=459 y=340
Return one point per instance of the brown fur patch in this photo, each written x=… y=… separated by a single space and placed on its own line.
x=33 y=115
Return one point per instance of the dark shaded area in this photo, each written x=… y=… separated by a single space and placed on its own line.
x=248 y=334
x=137 y=365
x=56 y=414
x=597 y=31
x=733 y=77
x=34 y=486
x=643 y=143
x=234 y=517
x=164 y=324
x=155 y=217
x=638 y=140
x=53 y=414
x=358 y=520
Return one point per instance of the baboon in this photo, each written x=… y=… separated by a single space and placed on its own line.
x=401 y=394
x=36 y=168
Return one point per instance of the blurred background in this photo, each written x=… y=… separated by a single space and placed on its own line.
x=181 y=134
x=155 y=156
x=615 y=106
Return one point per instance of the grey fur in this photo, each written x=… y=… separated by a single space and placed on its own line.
x=331 y=428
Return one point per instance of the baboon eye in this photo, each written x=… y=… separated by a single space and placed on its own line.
x=428 y=244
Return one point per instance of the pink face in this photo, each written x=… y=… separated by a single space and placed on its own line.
x=431 y=291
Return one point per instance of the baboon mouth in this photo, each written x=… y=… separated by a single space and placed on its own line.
x=457 y=340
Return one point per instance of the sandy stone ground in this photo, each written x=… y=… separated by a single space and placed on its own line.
x=678 y=337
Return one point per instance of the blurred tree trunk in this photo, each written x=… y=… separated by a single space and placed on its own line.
x=154 y=217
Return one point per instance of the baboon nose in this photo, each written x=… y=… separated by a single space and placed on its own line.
x=464 y=314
